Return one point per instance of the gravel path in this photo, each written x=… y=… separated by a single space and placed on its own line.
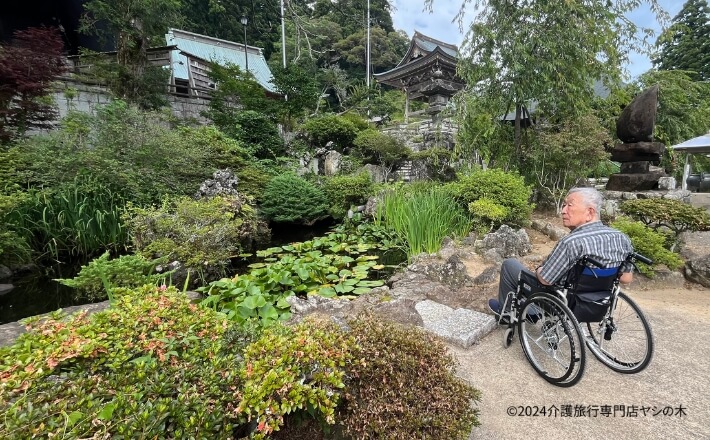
x=677 y=378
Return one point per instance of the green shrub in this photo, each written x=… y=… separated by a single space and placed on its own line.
x=649 y=243
x=345 y=191
x=294 y=370
x=129 y=271
x=402 y=385
x=505 y=189
x=201 y=234
x=289 y=198
x=487 y=214
x=422 y=218
x=259 y=134
x=253 y=180
x=151 y=366
x=672 y=214
x=436 y=163
x=381 y=149
x=330 y=128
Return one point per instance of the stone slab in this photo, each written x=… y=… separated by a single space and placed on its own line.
x=462 y=327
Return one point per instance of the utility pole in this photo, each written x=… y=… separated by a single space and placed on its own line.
x=283 y=34
x=367 y=62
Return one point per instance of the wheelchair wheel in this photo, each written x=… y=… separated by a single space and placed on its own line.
x=551 y=339
x=622 y=340
x=508 y=337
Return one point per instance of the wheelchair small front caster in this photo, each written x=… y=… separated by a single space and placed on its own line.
x=508 y=337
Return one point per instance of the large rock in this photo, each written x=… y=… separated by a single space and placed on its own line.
x=507 y=242
x=639 y=117
x=634 y=182
x=638 y=151
x=5 y=272
x=223 y=183
x=331 y=164
x=698 y=270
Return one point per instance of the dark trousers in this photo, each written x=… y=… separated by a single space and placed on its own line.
x=509 y=276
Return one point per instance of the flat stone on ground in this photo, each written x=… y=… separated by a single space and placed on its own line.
x=462 y=327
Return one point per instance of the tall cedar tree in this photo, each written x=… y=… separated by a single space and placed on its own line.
x=685 y=45
x=28 y=65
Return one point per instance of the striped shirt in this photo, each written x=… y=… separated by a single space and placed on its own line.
x=607 y=245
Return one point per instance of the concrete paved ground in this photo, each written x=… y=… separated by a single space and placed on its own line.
x=678 y=376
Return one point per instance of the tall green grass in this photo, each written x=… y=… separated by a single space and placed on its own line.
x=75 y=222
x=423 y=218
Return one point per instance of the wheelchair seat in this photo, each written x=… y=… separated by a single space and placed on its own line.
x=589 y=289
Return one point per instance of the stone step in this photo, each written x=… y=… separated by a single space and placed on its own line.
x=462 y=327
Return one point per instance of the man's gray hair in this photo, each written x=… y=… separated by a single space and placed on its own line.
x=591 y=197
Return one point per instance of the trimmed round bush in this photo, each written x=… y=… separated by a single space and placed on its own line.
x=289 y=198
x=330 y=128
x=498 y=188
x=345 y=191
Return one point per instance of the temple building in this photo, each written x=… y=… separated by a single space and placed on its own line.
x=427 y=72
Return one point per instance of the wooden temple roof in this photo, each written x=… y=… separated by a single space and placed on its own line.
x=426 y=59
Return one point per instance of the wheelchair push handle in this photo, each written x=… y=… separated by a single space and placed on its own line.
x=638 y=257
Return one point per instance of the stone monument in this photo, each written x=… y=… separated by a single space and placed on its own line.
x=638 y=153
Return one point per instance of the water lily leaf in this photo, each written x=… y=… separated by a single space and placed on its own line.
x=378 y=266
x=345 y=273
x=361 y=290
x=327 y=292
x=302 y=273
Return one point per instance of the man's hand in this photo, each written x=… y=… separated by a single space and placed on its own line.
x=626 y=277
x=541 y=279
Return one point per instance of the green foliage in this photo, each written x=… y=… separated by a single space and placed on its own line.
x=504 y=189
x=683 y=105
x=201 y=234
x=321 y=130
x=487 y=214
x=568 y=47
x=238 y=91
x=345 y=191
x=685 y=44
x=14 y=248
x=649 y=243
x=672 y=214
x=127 y=271
x=290 y=370
x=136 y=154
x=151 y=366
x=78 y=220
x=436 y=163
x=381 y=149
x=253 y=180
x=258 y=134
x=299 y=84
x=289 y=198
x=335 y=265
x=422 y=218
x=566 y=154
x=403 y=385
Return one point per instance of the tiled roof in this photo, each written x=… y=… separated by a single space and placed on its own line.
x=220 y=51
x=428 y=44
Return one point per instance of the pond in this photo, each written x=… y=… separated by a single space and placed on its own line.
x=35 y=294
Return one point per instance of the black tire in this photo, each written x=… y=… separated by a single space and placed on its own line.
x=551 y=339
x=623 y=340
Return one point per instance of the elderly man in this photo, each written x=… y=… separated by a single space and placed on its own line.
x=588 y=236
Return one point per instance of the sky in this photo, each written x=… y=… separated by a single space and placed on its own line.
x=409 y=15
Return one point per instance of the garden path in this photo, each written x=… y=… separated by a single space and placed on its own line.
x=676 y=378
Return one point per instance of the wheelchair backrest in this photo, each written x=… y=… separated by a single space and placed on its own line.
x=583 y=278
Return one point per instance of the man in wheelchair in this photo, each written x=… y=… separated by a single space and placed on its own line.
x=588 y=237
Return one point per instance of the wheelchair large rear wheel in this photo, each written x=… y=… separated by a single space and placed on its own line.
x=551 y=339
x=622 y=340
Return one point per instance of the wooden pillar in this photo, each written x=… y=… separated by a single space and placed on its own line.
x=406 y=106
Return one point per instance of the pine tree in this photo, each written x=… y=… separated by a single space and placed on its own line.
x=685 y=45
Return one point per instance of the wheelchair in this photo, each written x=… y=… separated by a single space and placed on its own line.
x=555 y=323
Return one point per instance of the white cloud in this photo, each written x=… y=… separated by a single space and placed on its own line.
x=409 y=15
